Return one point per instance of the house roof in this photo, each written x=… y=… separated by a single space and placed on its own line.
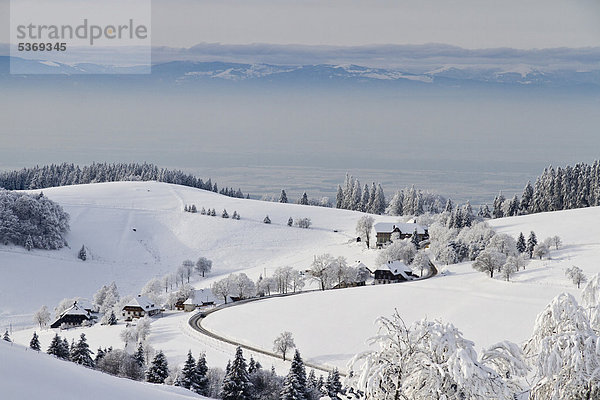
x=396 y=268
x=143 y=302
x=404 y=227
x=75 y=309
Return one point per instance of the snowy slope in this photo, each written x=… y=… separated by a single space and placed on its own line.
x=104 y=216
x=26 y=374
x=486 y=310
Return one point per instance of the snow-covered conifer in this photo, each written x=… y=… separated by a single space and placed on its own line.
x=159 y=369
x=290 y=221
x=82 y=255
x=531 y=243
x=267 y=220
x=521 y=244
x=283 y=197
x=81 y=353
x=34 y=343
x=6 y=337
x=237 y=385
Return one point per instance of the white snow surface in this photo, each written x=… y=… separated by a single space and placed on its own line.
x=328 y=327
x=27 y=374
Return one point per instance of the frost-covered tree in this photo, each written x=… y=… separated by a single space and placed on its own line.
x=236 y=384
x=421 y=262
x=556 y=241
x=188 y=269
x=489 y=261
x=34 y=343
x=159 y=369
x=321 y=270
x=283 y=197
x=508 y=269
x=283 y=343
x=223 y=288
x=81 y=353
x=563 y=352
x=431 y=359
x=106 y=297
x=503 y=243
x=203 y=266
x=541 y=250
x=364 y=227
x=243 y=286
x=42 y=316
x=403 y=250
x=576 y=275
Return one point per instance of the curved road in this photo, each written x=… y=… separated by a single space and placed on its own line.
x=195 y=323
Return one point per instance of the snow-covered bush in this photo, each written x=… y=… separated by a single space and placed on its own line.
x=303 y=223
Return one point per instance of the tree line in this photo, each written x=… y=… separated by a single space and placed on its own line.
x=555 y=189
x=40 y=177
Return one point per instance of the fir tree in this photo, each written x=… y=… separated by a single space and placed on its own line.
x=283 y=197
x=339 y=198
x=81 y=353
x=138 y=356
x=193 y=209
x=251 y=365
x=35 y=342
x=112 y=319
x=55 y=346
x=290 y=222
x=201 y=383
x=526 y=199
x=6 y=337
x=236 y=385
x=294 y=385
x=159 y=369
x=267 y=220
x=498 y=202
x=521 y=245
x=333 y=385
x=224 y=214
x=29 y=243
x=531 y=243
x=64 y=351
x=304 y=199
x=187 y=376
x=414 y=239
x=82 y=254
x=99 y=355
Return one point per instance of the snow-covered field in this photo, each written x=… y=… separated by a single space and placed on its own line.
x=328 y=327
x=27 y=374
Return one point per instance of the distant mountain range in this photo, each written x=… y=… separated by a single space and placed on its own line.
x=391 y=64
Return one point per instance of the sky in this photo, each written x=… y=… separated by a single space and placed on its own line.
x=520 y=24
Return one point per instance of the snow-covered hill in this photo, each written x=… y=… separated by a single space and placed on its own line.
x=104 y=217
x=26 y=374
x=134 y=231
x=486 y=310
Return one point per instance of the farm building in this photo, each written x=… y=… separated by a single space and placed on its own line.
x=392 y=272
x=386 y=230
x=72 y=316
x=139 y=307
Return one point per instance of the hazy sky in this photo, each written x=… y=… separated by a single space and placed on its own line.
x=466 y=23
